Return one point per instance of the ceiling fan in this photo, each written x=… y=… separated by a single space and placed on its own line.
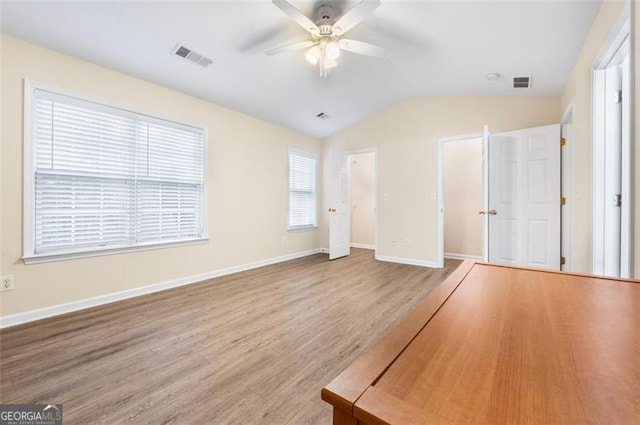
x=326 y=33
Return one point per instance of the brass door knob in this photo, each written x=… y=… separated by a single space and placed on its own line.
x=332 y=210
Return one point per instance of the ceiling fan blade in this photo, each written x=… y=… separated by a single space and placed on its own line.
x=354 y=16
x=290 y=48
x=362 y=48
x=297 y=16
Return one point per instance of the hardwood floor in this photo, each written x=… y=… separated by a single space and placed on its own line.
x=252 y=348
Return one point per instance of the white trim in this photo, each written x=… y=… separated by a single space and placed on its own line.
x=71 y=255
x=634 y=243
x=43 y=313
x=362 y=246
x=28 y=188
x=410 y=261
x=486 y=135
x=597 y=172
x=566 y=176
x=619 y=45
x=567 y=115
x=440 y=189
x=619 y=33
x=462 y=256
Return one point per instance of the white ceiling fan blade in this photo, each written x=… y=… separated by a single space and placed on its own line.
x=290 y=48
x=354 y=16
x=297 y=16
x=362 y=48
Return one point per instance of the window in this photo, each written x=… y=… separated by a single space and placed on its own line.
x=302 y=189
x=101 y=178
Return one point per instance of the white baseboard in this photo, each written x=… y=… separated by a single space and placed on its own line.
x=409 y=261
x=43 y=313
x=462 y=256
x=362 y=246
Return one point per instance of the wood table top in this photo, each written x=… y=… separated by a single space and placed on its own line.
x=505 y=345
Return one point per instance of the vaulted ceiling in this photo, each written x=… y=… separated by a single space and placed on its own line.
x=432 y=47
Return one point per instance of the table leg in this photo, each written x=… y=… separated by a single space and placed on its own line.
x=340 y=417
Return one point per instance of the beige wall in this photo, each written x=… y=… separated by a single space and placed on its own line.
x=406 y=135
x=578 y=90
x=362 y=168
x=463 y=197
x=247 y=186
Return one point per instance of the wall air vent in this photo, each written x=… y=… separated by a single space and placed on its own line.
x=322 y=116
x=191 y=56
x=521 y=82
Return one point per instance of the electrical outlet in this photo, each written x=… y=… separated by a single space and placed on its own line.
x=7 y=283
x=393 y=242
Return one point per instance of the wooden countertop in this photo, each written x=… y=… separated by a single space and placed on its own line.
x=503 y=345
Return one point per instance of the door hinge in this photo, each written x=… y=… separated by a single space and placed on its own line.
x=563 y=261
x=563 y=201
x=563 y=141
x=618 y=96
x=617 y=200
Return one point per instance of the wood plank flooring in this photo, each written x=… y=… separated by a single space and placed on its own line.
x=250 y=348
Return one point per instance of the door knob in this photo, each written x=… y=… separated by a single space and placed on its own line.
x=332 y=210
x=490 y=212
x=493 y=212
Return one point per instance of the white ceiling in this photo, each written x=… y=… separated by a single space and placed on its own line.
x=433 y=48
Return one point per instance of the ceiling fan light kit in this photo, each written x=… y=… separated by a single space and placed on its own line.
x=326 y=43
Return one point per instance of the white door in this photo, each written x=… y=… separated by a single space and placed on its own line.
x=338 y=208
x=524 y=197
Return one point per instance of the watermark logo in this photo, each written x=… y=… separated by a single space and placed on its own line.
x=30 y=414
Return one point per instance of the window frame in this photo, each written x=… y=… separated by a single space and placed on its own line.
x=29 y=168
x=314 y=156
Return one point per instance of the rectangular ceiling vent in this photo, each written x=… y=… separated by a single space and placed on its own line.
x=521 y=82
x=322 y=116
x=191 y=56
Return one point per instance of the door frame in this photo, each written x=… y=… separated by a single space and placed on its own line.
x=347 y=155
x=619 y=37
x=566 y=189
x=440 y=189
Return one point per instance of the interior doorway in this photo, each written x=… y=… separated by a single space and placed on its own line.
x=519 y=201
x=462 y=185
x=612 y=153
x=362 y=200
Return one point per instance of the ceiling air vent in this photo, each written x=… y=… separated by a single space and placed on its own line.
x=521 y=82
x=191 y=56
x=322 y=116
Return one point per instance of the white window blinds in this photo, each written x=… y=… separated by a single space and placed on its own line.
x=302 y=189
x=106 y=178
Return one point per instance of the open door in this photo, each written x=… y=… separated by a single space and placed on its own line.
x=524 y=197
x=338 y=208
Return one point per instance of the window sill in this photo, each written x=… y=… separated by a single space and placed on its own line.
x=62 y=256
x=302 y=228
